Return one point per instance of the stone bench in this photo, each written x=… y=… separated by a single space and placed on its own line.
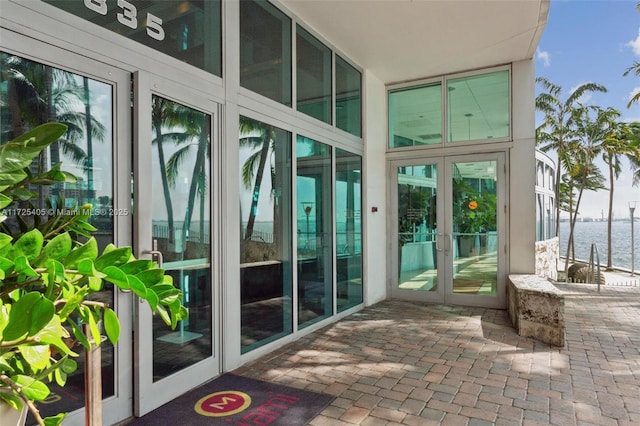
x=536 y=308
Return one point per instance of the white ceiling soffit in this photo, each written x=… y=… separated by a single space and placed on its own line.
x=399 y=40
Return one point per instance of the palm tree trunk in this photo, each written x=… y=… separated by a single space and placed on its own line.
x=196 y=181
x=256 y=188
x=571 y=228
x=165 y=186
x=89 y=132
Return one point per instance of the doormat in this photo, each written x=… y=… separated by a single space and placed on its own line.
x=237 y=400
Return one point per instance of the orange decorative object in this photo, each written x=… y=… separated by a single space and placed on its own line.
x=473 y=204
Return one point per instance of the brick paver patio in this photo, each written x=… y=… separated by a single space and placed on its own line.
x=418 y=364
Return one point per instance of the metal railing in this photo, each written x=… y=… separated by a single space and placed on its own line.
x=593 y=267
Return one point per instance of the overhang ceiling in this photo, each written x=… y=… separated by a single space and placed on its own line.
x=400 y=40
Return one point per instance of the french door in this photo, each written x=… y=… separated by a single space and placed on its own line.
x=175 y=134
x=448 y=229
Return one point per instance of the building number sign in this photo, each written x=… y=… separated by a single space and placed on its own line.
x=128 y=16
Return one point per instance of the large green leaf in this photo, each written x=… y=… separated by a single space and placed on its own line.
x=151 y=276
x=36 y=355
x=117 y=277
x=111 y=325
x=5 y=240
x=32 y=389
x=29 y=244
x=17 y=154
x=5 y=201
x=89 y=250
x=58 y=247
x=55 y=420
x=137 y=286
x=22 y=266
x=113 y=257
x=27 y=316
x=136 y=266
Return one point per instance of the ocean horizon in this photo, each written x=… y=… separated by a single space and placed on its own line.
x=588 y=233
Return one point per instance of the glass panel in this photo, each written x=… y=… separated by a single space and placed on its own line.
x=265 y=50
x=415 y=116
x=314 y=222
x=313 y=76
x=478 y=107
x=31 y=94
x=186 y=30
x=540 y=212
x=348 y=98
x=348 y=229
x=475 y=255
x=266 y=286
x=181 y=229
x=417 y=228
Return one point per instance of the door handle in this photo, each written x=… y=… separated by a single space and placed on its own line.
x=438 y=245
x=155 y=252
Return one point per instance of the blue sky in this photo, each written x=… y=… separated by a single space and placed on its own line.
x=596 y=41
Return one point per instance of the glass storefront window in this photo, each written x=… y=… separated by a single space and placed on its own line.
x=188 y=30
x=266 y=289
x=415 y=116
x=478 y=107
x=315 y=231
x=348 y=229
x=32 y=93
x=348 y=98
x=313 y=76
x=265 y=50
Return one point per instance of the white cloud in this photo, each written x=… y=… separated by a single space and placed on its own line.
x=634 y=92
x=635 y=44
x=544 y=56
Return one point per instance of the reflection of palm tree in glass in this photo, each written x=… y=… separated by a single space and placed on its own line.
x=37 y=94
x=197 y=129
x=260 y=137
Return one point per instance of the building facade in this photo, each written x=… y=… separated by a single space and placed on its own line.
x=288 y=162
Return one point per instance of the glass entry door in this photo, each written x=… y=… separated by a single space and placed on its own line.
x=447 y=229
x=174 y=225
x=41 y=84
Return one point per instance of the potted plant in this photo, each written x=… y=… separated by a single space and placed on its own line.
x=49 y=268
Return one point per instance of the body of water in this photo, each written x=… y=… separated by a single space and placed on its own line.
x=587 y=233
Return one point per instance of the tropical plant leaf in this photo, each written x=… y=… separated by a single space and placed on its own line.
x=113 y=257
x=58 y=247
x=116 y=276
x=29 y=244
x=89 y=250
x=111 y=325
x=36 y=355
x=31 y=388
x=137 y=286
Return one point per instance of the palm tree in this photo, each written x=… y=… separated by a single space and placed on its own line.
x=37 y=94
x=557 y=129
x=590 y=131
x=260 y=137
x=198 y=128
x=614 y=147
x=168 y=120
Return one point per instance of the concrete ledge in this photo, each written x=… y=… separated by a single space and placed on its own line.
x=536 y=308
